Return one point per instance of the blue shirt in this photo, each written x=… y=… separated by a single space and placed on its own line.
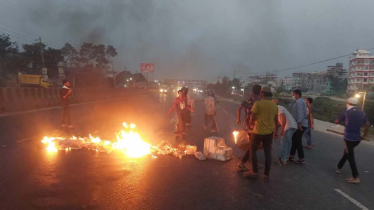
x=354 y=120
x=300 y=112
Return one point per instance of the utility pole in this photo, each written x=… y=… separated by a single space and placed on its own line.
x=41 y=50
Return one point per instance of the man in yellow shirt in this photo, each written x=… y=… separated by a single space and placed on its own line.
x=265 y=117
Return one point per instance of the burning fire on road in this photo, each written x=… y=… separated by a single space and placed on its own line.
x=128 y=141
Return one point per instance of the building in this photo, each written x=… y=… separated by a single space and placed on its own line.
x=267 y=79
x=337 y=71
x=361 y=71
x=299 y=81
x=316 y=82
x=287 y=83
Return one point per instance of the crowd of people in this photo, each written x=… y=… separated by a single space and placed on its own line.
x=264 y=116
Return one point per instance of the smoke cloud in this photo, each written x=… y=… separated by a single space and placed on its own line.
x=203 y=39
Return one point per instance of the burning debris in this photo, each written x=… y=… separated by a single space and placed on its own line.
x=128 y=141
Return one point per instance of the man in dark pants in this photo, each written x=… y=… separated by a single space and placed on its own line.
x=354 y=119
x=65 y=93
x=300 y=113
x=247 y=105
x=265 y=116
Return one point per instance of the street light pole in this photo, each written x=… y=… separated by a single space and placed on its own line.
x=363 y=101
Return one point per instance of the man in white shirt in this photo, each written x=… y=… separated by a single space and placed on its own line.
x=288 y=128
x=210 y=111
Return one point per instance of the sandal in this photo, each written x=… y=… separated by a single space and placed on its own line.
x=300 y=162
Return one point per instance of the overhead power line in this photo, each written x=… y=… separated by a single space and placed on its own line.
x=310 y=64
x=29 y=32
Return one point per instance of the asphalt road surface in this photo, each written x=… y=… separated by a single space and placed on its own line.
x=31 y=178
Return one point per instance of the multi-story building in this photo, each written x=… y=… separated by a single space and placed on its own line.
x=299 y=80
x=287 y=83
x=267 y=79
x=361 y=71
x=337 y=71
x=316 y=82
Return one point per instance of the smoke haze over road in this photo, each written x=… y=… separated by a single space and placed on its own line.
x=203 y=39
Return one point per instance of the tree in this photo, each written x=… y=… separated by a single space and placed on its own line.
x=11 y=60
x=278 y=90
x=237 y=83
x=339 y=87
x=71 y=56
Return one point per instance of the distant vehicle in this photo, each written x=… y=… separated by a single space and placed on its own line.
x=198 y=90
x=32 y=80
x=165 y=89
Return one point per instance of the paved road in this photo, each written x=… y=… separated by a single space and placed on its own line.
x=31 y=178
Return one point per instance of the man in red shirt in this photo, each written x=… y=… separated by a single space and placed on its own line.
x=180 y=104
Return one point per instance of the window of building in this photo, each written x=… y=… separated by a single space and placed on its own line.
x=371 y=80
x=365 y=74
x=372 y=61
x=366 y=60
x=366 y=67
x=357 y=80
x=359 y=67
x=371 y=67
x=365 y=80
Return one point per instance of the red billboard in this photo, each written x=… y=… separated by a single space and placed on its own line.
x=147 y=67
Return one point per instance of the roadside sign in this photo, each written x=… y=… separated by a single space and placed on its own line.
x=44 y=70
x=147 y=67
x=60 y=70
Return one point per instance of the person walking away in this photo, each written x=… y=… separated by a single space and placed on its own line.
x=300 y=113
x=308 y=131
x=288 y=128
x=180 y=104
x=210 y=112
x=265 y=116
x=65 y=92
x=247 y=105
x=354 y=119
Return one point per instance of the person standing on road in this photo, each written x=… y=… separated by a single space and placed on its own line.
x=300 y=113
x=308 y=131
x=354 y=119
x=65 y=92
x=288 y=128
x=210 y=112
x=189 y=104
x=265 y=116
x=247 y=105
x=180 y=104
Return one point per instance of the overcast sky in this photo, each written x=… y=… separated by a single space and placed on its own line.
x=201 y=39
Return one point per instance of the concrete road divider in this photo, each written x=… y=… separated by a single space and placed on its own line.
x=26 y=98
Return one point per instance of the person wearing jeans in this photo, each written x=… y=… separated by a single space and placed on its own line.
x=265 y=118
x=308 y=131
x=354 y=119
x=300 y=113
x=288 y=128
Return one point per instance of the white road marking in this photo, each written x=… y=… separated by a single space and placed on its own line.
x=358 y=204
